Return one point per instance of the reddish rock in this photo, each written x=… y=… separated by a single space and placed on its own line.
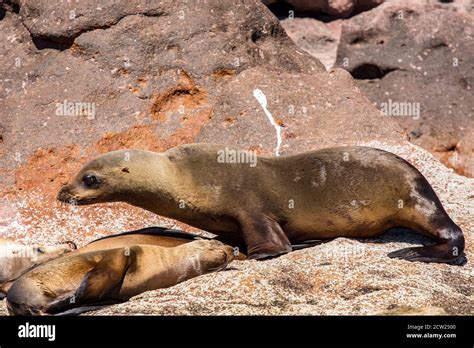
x=146 y=81
x=419 y=54
x=315 y=37
x=155 y=76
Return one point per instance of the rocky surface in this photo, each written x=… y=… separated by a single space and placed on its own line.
x=319 y=39
x=153 y=75
x=419 y=53
x=341 y=277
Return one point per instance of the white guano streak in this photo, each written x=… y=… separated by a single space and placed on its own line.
x=262 y=100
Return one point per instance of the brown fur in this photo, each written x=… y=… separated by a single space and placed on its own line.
x=113 y=275
x=157 y=236
x=334 y=192
x=16 y=258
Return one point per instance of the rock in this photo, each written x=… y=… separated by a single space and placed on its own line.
x=315 y=37
x=335 y=9
x=424 y=310
x=457 y=5
x=418 y=55
x=155 y=76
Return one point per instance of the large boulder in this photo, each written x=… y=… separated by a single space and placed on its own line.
x=83 y=79
x=418 y=54
x=315 y=37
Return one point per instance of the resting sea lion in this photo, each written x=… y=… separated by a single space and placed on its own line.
x=154 y=235
x=83 y=281
x=276 y=201
x=16 y=259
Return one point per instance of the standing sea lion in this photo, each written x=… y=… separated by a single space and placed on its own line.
x=269 y=203
x=16 y=259
x=84 y=281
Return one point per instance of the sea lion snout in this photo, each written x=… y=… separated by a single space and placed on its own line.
x=215 y=255
x=75 y=195
x=229 y=253
x=90 y=187
x=64 y=195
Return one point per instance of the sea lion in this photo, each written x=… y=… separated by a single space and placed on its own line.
x=16 y=259
x=154 y=235
x=74 y=283
x=268 y=203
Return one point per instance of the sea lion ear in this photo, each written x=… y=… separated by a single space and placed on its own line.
x=125 y=170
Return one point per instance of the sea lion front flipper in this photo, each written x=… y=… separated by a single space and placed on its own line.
x=105 y=277
x=264 y=238
x=154 y=231
x=86 y=308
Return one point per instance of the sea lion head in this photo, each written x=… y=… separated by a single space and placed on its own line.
x=104 y=179
x=43 y=253
x=16 y=258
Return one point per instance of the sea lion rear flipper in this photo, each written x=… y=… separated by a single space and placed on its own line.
x=429 y=253
x=449 y=249
x=105 y=277
x=264 y=238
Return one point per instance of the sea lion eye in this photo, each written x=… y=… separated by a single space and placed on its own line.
x=90 y=180
x=40 y=250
